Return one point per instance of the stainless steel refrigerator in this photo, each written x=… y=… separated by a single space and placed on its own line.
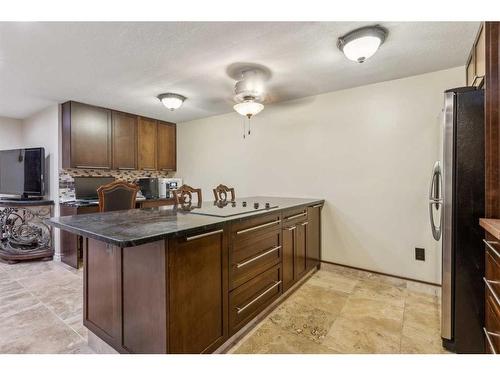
x=456 y=202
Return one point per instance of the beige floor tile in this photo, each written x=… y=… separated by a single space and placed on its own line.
x=271 y=339
x=326 y=299
x=14 y=303
x=28 y=269
x=76 y=323
x=367 y=307
x=330 y=280
x=380 y=291
x=414 y=286
x=10 y=287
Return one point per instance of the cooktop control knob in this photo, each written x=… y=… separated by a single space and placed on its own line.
x=268 y=205
x=233 y=204
x=256 y=205
x=244 y=204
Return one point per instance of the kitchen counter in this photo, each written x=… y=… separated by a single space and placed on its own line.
x=492 y=226
x=140 y=226
x=95 y=203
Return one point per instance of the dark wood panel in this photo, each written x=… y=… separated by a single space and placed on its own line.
x=247 y=228
x=313 y=236
x=147 y=143
x=252 y=297
x=167 y=152
x=124 y=140
x=288 y=250
x=90 y=136
x=145 y=298
x=69 y=242
x=198 y=291
x=156 y=203
x=492 y=322
x=103 y=292
x=300 y=266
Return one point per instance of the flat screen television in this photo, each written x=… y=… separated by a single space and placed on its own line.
x=22 y=172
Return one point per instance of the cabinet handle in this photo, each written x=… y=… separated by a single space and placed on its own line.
x=492 y=291
x=91 y=167
x=167 y=169
x=488 y=338
x=490 y=246
x=296 y=216
x=126 y=168
x=318 y=205
x=191 y=238
x=243 y=264
x=239 y=310
x=291 y=228
x=304 y=223
x=258 y=227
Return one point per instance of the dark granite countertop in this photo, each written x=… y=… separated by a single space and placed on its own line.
x=95 y=202
x=139 y=226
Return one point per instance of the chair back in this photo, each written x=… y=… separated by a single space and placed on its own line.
x=184 y=195
x=117 y=195
x=221 y=193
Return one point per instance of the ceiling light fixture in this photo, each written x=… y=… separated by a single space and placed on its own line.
x=360 y=44
x=249 y=107
x=172 y=101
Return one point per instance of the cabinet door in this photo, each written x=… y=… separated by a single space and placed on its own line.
x=146 y=144
x=313 y=236
x=90 y=137
x=480 y=55
x=124 y=140
x=288 y=247
x=299 y=268
x=198 y=292
x=166 y=146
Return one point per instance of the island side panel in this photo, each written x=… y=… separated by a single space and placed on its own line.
x=102 y=291
x=145 y=298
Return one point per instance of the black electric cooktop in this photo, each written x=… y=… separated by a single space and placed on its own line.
x=228 y=208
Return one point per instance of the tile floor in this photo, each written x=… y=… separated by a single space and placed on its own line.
x=338 y=310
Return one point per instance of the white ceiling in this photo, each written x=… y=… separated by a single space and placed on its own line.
x=126 y=65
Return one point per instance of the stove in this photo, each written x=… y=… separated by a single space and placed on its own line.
x=227 y=209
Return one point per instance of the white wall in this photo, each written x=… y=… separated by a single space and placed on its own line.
x=10 y=133
x=42 y=130
x=367 y=151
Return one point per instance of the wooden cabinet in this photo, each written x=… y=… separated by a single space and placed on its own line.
x=86 y=136
x=124 y=137
x=147 y=143
x=198 y=292
x=100 y=138
x=314 y=236
x=476 y=63
x=166 y=146
x=492 y=295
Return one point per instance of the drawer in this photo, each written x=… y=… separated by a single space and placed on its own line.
x=252 y=256
x=252 y=297
x=245 y=228
x=492 y=324
x=294 y=216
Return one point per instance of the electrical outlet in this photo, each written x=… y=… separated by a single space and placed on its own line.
x=420 y=253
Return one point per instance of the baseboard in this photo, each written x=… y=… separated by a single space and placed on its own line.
x=381 y=273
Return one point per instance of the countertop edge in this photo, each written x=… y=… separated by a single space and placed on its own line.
x=491 y=225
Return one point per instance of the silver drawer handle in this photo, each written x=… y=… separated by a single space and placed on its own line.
x=239 y=310
x=148 y=169
x=490 y=246
x=258 y=227
x=243 y=264
x=291 y=228
x=204 y=235
x=317 y=206
x=304 y=223
x=91 y=167
x=488 y=338
x=296 y=216
x=126 y=168
x=488 y=284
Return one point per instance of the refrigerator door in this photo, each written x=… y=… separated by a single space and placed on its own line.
x=447 y=222
x=436 y=201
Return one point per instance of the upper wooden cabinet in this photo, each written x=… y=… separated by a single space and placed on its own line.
x=100 y=138
x=86 y=136
x=167 y=160
x=146 y=143
x=124 y=140
x=476 y=63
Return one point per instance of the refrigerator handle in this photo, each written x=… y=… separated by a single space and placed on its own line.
x=435 y=200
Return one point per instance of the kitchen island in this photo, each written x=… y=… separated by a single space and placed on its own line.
x=187 y=279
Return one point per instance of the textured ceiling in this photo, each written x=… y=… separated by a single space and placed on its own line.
x=126 y=65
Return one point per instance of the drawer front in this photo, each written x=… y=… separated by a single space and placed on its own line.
x=294 y=216
x=254 y=255
x=246 y=228
x=492 y=324
x=492 y=266
x=252 y=297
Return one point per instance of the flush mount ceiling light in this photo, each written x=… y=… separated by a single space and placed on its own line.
x=360 y=44
x=248 y=107
x=171 y=101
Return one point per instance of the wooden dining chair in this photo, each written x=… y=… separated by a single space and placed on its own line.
x=184 y=195
x=117 y=195
x=221 y=193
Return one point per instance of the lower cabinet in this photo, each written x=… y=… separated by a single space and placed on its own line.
x=198 y=291
x=492 y=295
x=314 y=236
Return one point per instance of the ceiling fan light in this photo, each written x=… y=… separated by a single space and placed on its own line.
x=248 y=108
x=172 y=101
x=361 y=44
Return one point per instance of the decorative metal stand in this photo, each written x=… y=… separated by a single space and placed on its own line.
x=23 y=232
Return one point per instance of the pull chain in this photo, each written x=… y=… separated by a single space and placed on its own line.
x=249 y=126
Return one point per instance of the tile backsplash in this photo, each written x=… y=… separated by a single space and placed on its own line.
x=67 y=182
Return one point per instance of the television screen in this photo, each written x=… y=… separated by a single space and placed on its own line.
x=21 y=171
